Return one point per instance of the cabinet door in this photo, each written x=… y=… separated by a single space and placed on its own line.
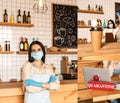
x=11 y=99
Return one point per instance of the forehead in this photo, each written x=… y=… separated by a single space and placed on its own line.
x=110 y=21
x=35 y=46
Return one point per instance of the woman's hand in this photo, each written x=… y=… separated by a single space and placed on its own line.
x=29 y=82
x=52 y=79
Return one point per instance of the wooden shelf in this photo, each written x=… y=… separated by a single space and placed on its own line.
x=60 y=52
x=22 y=52
x=25 y=52
x=87 y=26
x=90 y=11
x=6 y=52
x=84 y=26
x=16 y=24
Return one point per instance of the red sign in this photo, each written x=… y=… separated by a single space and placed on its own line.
x=101 y=85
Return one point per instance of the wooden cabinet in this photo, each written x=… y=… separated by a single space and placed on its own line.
x=66 y=94
x=86 y=57
x=11 y=92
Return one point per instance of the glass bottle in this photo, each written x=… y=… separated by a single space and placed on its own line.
x=21 y=45
x=89 y=7
x=19 y=17
x=101 y=8
x=96 y=8
x=24 y=17
x=28 y=18
x=5 y=16
x=7 y=45
x=26 y=45
x=12 y=19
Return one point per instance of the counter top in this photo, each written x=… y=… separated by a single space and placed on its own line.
x=15 y=88
x=19 y=84
x=100 y=95
x=108 y=51
x=5 y=85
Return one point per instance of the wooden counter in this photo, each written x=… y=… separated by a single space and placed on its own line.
x=12 y=92
x=108 y=51
x=99 y=95
x=86 y=56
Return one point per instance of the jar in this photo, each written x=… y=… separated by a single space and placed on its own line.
x=12 y=19
x=7 y=45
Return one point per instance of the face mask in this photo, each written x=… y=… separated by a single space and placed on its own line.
x=37 y=55
x=110 y=25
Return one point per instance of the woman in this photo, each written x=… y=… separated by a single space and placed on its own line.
x=38 y=77
x=110 y=29
x=117 y=32
x=114 y=67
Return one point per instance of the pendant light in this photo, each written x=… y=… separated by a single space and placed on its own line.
x=40 y=6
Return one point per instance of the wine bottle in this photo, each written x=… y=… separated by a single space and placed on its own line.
x=26 y=45
x=89 y=7
x=28 y=18
x=21 y=45
x=96 y=8
x=24 y=17
x=19 y=17
x=5 y=16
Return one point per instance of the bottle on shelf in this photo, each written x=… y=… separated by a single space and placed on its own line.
x=26 y=45
x=96 y=8
x=12 y=18
x=7 y=45
x=28 y=18
x=33 y=39
x=101 y=9
x=5 y=16
x=88 y=6
x=19 y=16
x=21 y=44
x=24 y=17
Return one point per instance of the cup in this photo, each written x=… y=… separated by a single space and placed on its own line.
x=96 y=38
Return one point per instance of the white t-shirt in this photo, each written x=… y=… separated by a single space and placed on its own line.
x=111 y=65
x=117 y=33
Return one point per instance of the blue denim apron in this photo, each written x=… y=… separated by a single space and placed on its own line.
x=41 y=96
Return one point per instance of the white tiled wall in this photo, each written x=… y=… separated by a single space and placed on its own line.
x=10 y=64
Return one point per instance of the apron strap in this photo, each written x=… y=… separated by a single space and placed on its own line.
x=31 y=71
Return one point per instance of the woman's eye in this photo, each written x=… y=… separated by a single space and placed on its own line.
x=39 y=49
x=33 y=50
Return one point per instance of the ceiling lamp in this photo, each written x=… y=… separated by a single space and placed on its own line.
x=40 y=6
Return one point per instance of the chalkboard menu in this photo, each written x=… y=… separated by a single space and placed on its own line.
x=64 y=26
